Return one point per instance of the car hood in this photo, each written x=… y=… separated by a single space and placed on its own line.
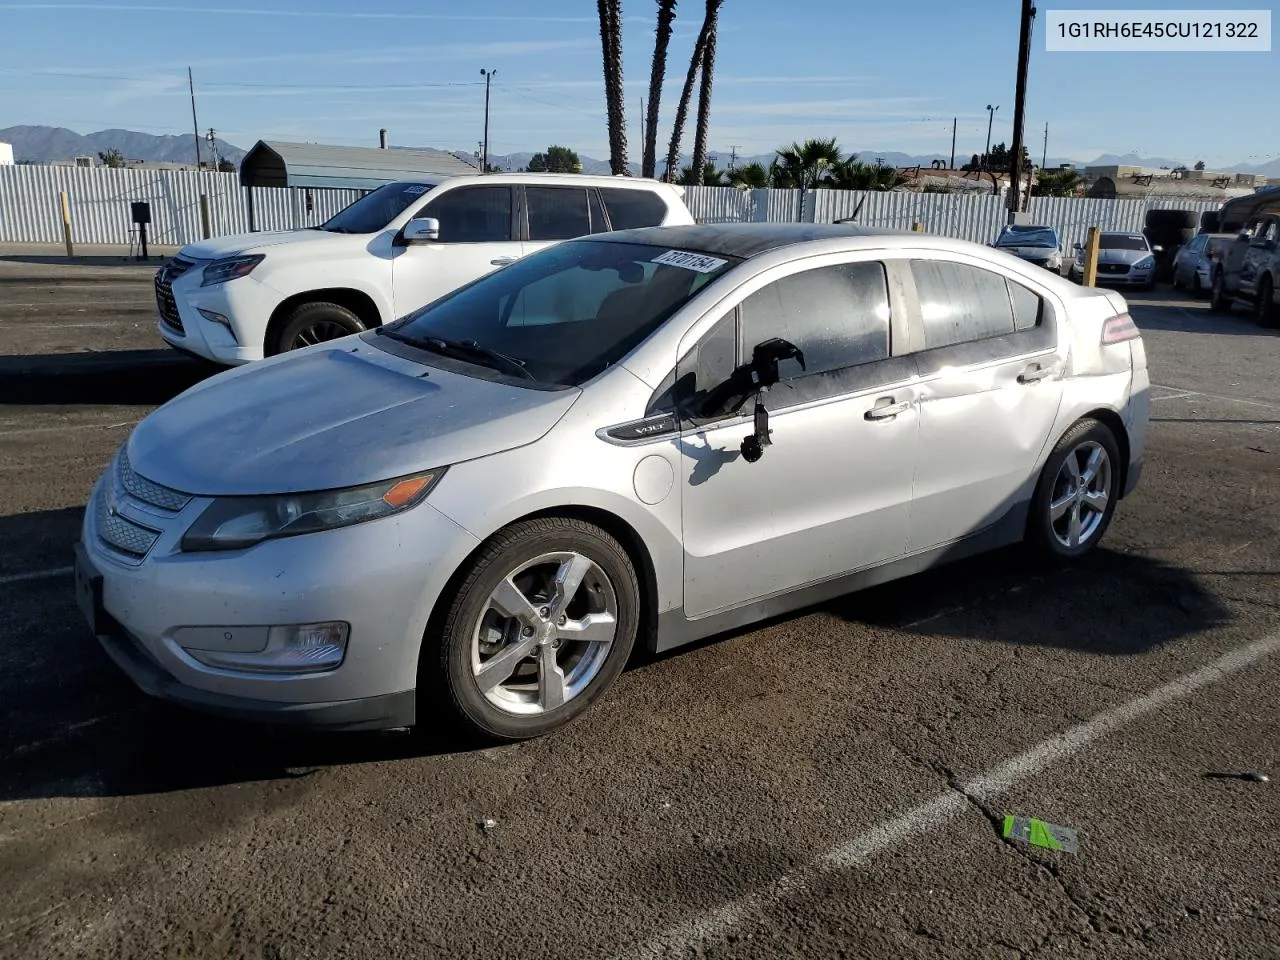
x=216 y=248
x=333 y=416
x=1122 y=256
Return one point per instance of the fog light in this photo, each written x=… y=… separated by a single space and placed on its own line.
x=214 y=317
x=298 y=648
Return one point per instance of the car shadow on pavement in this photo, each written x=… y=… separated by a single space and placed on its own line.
x=125 y=377
x=1192 y=320
x=1109 y=602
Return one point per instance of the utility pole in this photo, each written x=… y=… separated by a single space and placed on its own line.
x=733 y=155
x=991 y=115
x=212 y=137
x=195 y=127
x=1019 y=106
x=953 y=144
x=1044 y=157
x=484 y=159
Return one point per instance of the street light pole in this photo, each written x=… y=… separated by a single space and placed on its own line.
x=484 y=158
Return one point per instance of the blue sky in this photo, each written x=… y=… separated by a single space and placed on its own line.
x=878 y=76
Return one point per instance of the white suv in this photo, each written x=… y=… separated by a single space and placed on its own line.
x=241 y=298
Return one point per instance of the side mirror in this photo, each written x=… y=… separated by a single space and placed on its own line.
x=422 y=230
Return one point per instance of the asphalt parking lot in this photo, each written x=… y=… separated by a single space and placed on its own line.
x=829 y=785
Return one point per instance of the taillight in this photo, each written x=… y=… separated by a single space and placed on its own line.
x=1119 y=329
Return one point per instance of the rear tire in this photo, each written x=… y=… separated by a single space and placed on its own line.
x=539 y=628
x=1077 y=493
x=1264 y=311
x=1197 y=288
x=316 y=322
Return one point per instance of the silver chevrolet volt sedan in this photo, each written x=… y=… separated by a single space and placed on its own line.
x=650 y=436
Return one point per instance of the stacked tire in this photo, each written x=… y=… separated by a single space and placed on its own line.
x=1169 y=229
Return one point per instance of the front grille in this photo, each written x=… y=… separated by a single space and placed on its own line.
x=123 y=535
x=140 y=488
x=1113 y=268
x=165 y=301
x=121 y=523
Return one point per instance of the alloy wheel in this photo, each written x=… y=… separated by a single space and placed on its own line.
x=318 y=332
x=544 y=633
x=1081 y=493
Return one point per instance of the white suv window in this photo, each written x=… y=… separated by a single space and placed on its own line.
x=472 y=214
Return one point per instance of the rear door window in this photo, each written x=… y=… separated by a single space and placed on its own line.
x=629 y=209
x=960 y=303
x=557 y=213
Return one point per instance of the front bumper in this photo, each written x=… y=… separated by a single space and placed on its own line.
x=373 y=576
x=246 y=303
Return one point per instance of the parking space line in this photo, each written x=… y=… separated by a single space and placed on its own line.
x=68 y=426
x=685 y=937
x=35 y=575
x=1212 y=396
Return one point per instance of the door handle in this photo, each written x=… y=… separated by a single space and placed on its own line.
x=503 y=261
x=1035 y=373
x=886 y=409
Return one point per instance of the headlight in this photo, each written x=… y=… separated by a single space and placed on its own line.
x=233 y=523
x=1146 y=263
x=221 y=271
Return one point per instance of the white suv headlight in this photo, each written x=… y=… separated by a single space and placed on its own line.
x=233 y=523
x=220 y=271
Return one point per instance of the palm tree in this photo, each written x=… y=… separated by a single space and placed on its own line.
x=704 y=93
x=751 y=175
x=802 y=165
x=610 y=12
x=682 y=110
x=666 y=16
x=852 y=174
x=711 y=177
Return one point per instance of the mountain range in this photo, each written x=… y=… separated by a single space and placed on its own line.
x=40 y=143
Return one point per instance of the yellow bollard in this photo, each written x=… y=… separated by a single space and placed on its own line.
x=66 y=222
x=917 y=227
x=1091 y=257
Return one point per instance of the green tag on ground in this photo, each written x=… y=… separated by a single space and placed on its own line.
x=1050 y=836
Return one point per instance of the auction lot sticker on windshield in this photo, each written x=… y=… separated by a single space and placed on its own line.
x=699 y=262
x=414 y=190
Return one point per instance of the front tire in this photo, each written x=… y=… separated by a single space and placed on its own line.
x=539 y=628
x=1077 y=493
x=317 y=322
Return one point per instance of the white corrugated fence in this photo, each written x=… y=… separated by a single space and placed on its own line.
x=99 y=198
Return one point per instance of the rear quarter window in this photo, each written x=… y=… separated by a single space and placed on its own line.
x=629 y=209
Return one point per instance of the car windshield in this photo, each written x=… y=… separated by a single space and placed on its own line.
x=375 y=210
x=565 y=313
x=1035 y=237
x=1122 y=241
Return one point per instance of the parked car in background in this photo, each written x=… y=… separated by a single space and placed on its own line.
x=1125 y=259
x=474 y=513
x=1193 y=263
x=241 y=298
x=1249 y=270
x=1041 y=245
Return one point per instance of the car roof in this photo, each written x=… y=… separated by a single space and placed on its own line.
x=744 y=240
x=570 y=179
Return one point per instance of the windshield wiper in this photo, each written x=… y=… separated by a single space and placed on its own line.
x=467 y=350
